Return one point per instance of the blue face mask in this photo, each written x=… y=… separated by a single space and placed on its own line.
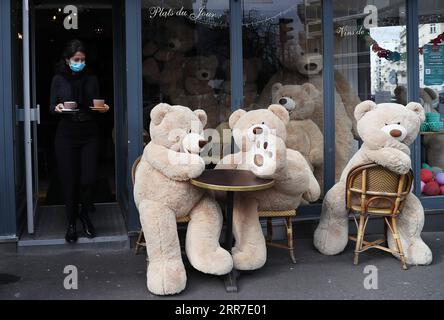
x=77 y=66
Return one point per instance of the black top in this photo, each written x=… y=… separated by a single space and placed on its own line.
x=81 y=88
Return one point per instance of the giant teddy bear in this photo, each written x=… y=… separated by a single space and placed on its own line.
x=165 y=58
x=303 y=134
x=387 y=130
x=163 y=192
x=301 y=62
x=293 y=177
x=196 y=91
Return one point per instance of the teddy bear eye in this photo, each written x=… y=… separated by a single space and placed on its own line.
x=316 y=50
x=399 y=123
x=302 y=53
x=263 y=122
x=189 y=131
x=386 y=124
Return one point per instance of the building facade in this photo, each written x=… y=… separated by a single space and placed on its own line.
x=215 y=55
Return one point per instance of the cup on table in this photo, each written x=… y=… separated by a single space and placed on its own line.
x=70 y=105
x=99 y=103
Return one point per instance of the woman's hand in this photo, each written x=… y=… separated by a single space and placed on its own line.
x=58 y=108
x=102 y=110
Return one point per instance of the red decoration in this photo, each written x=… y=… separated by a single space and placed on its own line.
x=442 y=190
x=432 y=189
x=426 y=175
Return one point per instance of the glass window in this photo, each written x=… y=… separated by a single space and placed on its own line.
x=185 y=54
x=431 y=94
x=370 y=63
x=282 y=48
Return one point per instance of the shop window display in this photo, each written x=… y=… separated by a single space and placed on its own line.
x=282 y=48
x=369 y=62
x=431 y=93
x=185 y=48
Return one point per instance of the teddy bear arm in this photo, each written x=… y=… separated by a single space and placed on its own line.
x=316 y=155
x=391 y=158
x=174 y=165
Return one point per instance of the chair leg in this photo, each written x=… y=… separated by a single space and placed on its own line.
x=359 y=238
x=269 y=230
x=138 y=241
x=398 y=243
x=289 y=226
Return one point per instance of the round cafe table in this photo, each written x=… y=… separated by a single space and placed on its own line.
x=231 y=181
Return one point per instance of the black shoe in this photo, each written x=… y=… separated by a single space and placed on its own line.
x=88 y=227
x=71 y=234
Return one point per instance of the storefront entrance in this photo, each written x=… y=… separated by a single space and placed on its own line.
x=51 y=25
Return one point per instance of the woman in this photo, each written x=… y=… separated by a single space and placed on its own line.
x=77 y=137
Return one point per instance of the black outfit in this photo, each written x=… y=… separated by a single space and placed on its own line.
x=76 y=142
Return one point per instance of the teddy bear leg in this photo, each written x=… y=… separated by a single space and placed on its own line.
x=249 y=252
x=410 y=224
x=166 y=272
x=331 y=235
x=202 y=241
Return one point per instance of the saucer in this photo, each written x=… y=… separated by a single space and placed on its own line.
x=70 y=110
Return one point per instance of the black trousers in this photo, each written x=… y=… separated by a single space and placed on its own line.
x=77 y=149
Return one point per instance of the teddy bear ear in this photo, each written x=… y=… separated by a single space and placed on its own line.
x=418 y=109
x=202 y=115
x=280 y=112
x=275 y=88
x=159 y=112
x=235 y=116
x=310 y=89
x=364 y=107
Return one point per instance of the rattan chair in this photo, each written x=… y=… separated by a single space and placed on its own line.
x=373 y=190
x=269 y=215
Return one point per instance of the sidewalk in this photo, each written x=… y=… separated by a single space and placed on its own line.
x=121 y=275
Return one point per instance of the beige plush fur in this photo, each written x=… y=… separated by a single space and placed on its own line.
x=303 y=134
x=293 y=177
x=162 y=192
x=331 y=235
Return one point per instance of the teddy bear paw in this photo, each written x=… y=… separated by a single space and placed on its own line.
x=218 y=262
x=166 y=277
x=249 y=259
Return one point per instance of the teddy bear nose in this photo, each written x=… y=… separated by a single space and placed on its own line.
x=257 y=130
x=205 y=74
x=171 y=45
x=202 y=143
x=283 y=101
x=395 y=133
x=311 y=66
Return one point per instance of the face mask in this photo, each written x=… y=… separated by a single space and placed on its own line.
x=77 y=66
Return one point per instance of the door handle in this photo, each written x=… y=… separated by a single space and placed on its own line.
x=34 y=116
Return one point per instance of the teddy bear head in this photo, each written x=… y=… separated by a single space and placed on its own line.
x=302 y=56
x=178 y=128
x=179 y=37
x=198 y=71
x=246 y=125
x=299 y=100
x=388 y=124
